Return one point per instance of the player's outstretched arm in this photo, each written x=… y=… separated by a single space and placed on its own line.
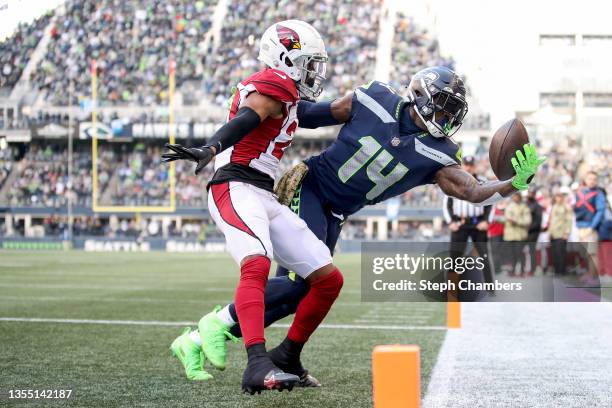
x=254 y=110
x=312 y=115
x=458 y=183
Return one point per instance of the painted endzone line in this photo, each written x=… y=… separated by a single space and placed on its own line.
x=164 y=323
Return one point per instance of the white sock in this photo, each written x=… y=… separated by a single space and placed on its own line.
x=225 y=316
x=195 y=337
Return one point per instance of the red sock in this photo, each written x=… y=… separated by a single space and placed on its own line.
x=314 y=307
x=250 y=299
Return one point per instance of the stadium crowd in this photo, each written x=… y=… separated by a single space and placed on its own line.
x=349 y=28
x=57 y=226
x=414 y=47
x=132 y=42
x=142 y=178
x=16 y=50
x=6 y=164
x=139 y=178
x=127 y=176
x=43 y=179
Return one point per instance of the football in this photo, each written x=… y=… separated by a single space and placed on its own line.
x=506 y=141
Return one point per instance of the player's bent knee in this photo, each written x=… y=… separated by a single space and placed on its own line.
x=321 y=272
x=329 y=283
x=249 y=258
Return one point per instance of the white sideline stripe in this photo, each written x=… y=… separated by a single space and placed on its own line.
x=544 y=355
x=163 y=323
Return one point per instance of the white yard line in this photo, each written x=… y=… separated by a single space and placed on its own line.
x=369 y=315
x=518 y=355
x=112 y=288
x=4 y=298
x=417 y=322
x=134 y=288
x=165 y=323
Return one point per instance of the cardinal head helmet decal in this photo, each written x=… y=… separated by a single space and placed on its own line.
x=289 y=38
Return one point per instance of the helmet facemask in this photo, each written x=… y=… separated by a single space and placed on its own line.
x=312 y=75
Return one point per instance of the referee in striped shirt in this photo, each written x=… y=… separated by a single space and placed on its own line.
x=467 y=220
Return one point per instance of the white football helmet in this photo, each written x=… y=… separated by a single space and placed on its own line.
x=297 y=49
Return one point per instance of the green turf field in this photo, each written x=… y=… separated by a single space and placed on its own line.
x=129 y=364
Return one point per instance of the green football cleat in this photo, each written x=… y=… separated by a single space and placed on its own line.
x=214 y=333
x=189 y=353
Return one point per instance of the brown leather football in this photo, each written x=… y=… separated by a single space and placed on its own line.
x=506 y=141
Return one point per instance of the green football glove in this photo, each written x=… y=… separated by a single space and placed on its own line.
x=525 y=166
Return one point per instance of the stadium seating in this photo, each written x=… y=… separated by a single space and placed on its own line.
x=43 y=179
x=15 y=52
x=141 y=180
x=6 y=164
x=414 y=48
x=132 y=42
x=350 y=30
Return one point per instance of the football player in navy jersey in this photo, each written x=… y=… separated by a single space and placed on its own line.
x=388 y=145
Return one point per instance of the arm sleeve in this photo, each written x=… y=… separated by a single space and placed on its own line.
x=243 y=123
x=313 y=115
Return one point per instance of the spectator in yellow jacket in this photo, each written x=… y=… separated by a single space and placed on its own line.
x=516 y=227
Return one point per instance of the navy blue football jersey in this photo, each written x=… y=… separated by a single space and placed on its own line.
x=371 y=160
